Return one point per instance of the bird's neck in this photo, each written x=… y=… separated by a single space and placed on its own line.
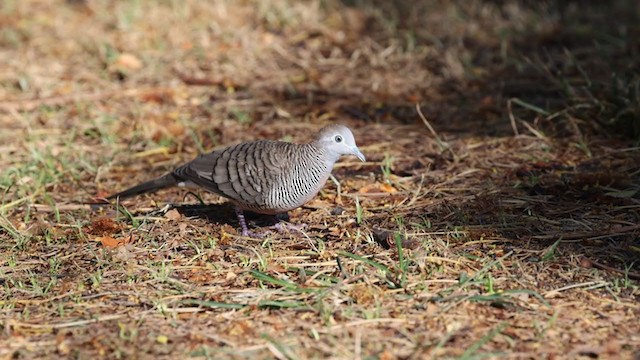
x=322 y=153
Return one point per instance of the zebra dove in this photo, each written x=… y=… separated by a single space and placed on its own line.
x=264 y=176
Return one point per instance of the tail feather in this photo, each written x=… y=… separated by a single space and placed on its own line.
x=149 y=186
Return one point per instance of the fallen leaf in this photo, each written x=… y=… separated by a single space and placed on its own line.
x=335 y=231
x=378 y=188
x=414 y=98
x=283 y=113
x=363 y=294
x=102 y=194
x=386 y=355
x=388 y=188
x=110 y=242
x=162 y=339
x=586 y=263
x=158 y=95
x=126 y=61
x=276 y=268
x=173 y=215
x=431 y=309
x=241 y=328
x=103 y=226
x=176 y=129
x=63 y=348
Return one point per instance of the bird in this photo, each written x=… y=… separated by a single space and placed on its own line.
x=262 y=176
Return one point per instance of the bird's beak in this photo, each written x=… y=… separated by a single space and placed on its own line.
x=359 y=154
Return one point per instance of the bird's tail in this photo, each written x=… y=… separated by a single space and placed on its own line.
x=149 y=186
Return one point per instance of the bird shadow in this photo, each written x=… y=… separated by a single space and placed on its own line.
x=225 y=214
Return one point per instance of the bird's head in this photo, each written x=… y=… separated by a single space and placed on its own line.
x=338 y=140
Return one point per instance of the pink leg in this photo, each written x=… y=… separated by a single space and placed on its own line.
x=280 y=226
x=244 y=227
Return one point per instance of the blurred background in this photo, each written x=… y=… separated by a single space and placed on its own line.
x=189 y=66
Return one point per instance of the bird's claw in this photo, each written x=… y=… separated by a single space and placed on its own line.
x=253 y=234
x=285 y=227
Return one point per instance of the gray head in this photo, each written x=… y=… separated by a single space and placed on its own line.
x=338 y=140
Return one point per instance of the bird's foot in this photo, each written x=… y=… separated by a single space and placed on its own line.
x=285 y=227
x=252 y=234
x=281 y=227
x=245 y=229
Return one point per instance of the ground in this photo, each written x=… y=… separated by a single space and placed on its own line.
x=497 y=214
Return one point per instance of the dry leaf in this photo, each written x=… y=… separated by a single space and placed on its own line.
x=283 y=113
x=102 y=194
x=176 y=129
x=159 y=95
x=388 y=188
x=387 y=355
x=335 y=231
x=103 y=226
x=241 y=328
x=276 y=268
x=122 y=253
x=108 y=241
x=378 y=188
x=126 y=61
x=63 y=348
x=162 y=339
x=173 y=215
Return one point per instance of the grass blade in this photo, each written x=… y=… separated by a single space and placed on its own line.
x=531 y=107
x=375 y=264
x=278 y=282
x=213 y=304
x=469 y=354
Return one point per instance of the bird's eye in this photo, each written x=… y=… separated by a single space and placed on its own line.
x=338 y=138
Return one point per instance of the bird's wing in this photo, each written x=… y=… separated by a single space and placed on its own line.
x=243 y=172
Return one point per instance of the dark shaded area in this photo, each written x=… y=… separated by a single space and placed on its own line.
x=575 y=81
x=224 y=213
x=584 y=66
x=589 y=210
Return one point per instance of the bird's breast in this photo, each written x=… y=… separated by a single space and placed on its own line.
x=297 y=186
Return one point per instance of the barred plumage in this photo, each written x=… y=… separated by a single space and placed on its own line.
x=263 y=176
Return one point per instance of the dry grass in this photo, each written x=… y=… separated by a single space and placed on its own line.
x=512 y=233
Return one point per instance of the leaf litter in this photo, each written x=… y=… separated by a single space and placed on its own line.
x=484 y=224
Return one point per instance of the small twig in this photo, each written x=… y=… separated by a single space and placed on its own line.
x=65 y=207
x=358 y=323
x=555 y=292
x=417 y=192
x=512 y=118
x=443 y=145
x=535 y=132
x=630 y=274
x=338 y=186
x=341 y=268
x=14 y=203
x=162 y=150
x=440 y=260
x=67 y=324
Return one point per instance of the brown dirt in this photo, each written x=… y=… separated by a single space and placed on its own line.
x=503 y=223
